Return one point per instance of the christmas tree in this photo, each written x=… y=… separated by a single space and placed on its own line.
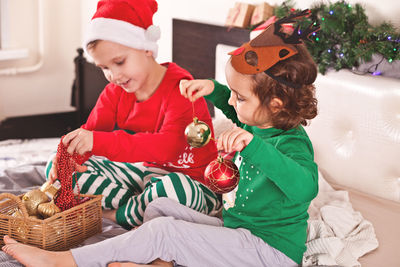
x=346 y=38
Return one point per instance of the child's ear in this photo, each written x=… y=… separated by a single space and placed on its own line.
x=275 y=105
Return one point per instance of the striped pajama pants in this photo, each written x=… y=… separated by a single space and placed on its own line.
x=130 y=187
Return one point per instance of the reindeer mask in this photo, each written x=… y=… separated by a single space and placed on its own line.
x=270 y=47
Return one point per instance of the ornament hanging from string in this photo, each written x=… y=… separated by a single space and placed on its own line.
x=221 y=175
x=197 y=133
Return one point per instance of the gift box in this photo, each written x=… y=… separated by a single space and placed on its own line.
x=261 y=13
x=239 y=15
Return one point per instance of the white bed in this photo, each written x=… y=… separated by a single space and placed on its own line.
x=356 y=139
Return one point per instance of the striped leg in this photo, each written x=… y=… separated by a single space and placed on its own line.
x=116 y=181
x=129 y=187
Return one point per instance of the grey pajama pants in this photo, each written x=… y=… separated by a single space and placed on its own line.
x=173 y=232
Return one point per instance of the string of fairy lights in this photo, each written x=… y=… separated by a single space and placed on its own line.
x=346 y=39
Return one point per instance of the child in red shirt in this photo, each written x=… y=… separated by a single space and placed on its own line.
x=148 y=156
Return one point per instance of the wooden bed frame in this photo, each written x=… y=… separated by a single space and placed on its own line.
x=198 y=55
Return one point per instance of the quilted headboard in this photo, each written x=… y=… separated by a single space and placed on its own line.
x=356 y=135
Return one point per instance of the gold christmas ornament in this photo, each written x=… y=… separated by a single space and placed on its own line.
x=48 y=209
x=50 y=189
x=197 y=133
x=33 y=199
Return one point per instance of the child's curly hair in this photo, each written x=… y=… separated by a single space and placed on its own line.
x=298 y=105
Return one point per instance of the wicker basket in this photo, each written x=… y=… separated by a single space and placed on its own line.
x=61 y=231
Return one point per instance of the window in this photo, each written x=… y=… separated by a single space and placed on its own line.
x=7 y=52
x=3 y=24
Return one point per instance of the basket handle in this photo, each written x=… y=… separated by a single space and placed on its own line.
x=21 y=205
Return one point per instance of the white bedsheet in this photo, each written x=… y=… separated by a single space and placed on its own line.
x=15 y=152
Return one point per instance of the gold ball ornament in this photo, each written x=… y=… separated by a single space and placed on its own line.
x=197 y=133
x=48 y=209
x=33 y=199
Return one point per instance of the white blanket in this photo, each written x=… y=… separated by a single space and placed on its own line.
x=337 y=235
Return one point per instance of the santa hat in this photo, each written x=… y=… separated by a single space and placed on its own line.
x=127 y=22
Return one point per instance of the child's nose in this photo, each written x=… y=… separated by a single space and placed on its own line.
x=231 y=100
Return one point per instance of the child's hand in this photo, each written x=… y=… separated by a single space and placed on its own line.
x=234 y=140
x=79 y=140
x=194 y=89
x=53 y=171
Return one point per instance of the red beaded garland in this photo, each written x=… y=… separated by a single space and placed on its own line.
x=65 y=198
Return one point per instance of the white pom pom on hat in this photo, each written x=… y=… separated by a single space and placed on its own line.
x=153 y=33
x=127 y=22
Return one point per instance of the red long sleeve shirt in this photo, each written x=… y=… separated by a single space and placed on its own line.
x=151 y=131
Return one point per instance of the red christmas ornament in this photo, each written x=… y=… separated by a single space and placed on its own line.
x=221 y=175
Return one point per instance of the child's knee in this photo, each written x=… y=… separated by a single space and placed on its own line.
x=157 y=208
x=153 y=210
x=162 y=227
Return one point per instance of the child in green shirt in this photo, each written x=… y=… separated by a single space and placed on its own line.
x=264 y=221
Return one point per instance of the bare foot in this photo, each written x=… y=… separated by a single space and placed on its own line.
x=110 y=214
x=32 y=256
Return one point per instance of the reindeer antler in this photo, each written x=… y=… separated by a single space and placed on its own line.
x=297 y=34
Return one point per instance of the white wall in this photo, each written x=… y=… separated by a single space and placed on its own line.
x=49 y=89
x=215 y=12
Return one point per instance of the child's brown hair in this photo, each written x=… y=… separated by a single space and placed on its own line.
x=92 y=44
x=298 y=105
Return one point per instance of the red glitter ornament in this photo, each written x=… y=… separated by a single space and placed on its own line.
x=66 y=167
x=221 y=175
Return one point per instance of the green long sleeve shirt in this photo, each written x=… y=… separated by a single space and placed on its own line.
x=278 y=180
